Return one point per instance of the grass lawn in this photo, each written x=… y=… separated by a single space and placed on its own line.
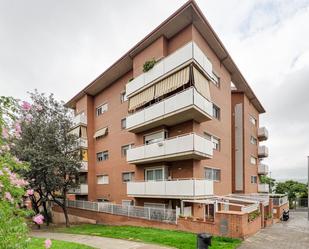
x=176 y=239
x=38 y=243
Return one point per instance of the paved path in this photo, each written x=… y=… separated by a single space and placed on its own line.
x=95 y=241
x=293 y=234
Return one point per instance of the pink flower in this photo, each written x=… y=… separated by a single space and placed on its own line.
x=29 y=192
x=26 y=106
x=28 y=117
x=38 y=219
x=5 y=133
x=17 y=129
x=39 y=107
x=8 y=196
x=48 y=243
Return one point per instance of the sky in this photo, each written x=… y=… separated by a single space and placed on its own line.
x=60 y=46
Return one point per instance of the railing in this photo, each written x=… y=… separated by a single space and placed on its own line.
x=80 y=119
x=263 y=169
x=84 y=166
x=173 y=104
x=263 y=188
x=250 y=208
x=181 y=188
x=148 y=213
x=171 y=147
x=279 y=201
x=262 y=133
x=81 y=189
x=183 y=55
x=263 y=151
x=81 y=142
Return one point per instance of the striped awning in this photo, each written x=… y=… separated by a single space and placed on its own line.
x=101 y=132
x=141 y=98
x=201 y=84
x=172 y=82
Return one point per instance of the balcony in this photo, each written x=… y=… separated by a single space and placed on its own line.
x=262 y=134
x=81 y=143
x=190 y=188
x=166 y=66
x=183 y=106
x=263 y=188
x=262 y=169
x=80 y=119
x=189 y=146
x=263 y=151
x=81 y=190
x=84 y=167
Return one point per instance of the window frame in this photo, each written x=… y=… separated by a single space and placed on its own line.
x=213 y=174
x=106 y=177
x=252 y=138
x=123 y=97
x=254 y=181
x=100 y=111
x=255 y=158
x=253 y=120
x=130 y=146
x=218 y=111
x=104 y=153
x=216 y=79
x=125 y=123
x=132 y=175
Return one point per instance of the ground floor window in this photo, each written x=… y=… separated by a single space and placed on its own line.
x=254 y=179
x=209 y=211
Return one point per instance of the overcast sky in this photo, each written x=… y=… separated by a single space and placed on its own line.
x=59 y=46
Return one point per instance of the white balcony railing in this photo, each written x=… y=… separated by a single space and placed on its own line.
x=263 y=169
x=175 y=188
x=263 y=188
x=84 y=166
x=80 y=119
x=81 y=189
x=169 y=111
x=262 y=133
x=183 y=55
x=176 y=148
x=81 y=143
x=263 y=151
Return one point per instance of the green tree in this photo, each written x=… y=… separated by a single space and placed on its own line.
x=13 y=228
x=293 y=189
x=45 y=143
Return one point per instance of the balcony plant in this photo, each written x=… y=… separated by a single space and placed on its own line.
x=253 y=215
x=148 y=65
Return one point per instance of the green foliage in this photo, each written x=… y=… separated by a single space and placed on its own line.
x=13 y=228
x=293 y=189
x=175 y=239
x=253 y=215
x=38 y=243
x=45 y=143
x=149 y=64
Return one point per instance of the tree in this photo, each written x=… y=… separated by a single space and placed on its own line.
x=13 y=229
x=45 y=143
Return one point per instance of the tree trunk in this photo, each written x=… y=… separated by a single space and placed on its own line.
x=46 y=213
x=65 y=210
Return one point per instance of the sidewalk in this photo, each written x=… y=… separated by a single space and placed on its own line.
x=95 y=241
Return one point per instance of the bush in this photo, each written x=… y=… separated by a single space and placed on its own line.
x=148 y=65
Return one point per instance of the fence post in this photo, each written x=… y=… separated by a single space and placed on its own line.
x=112 y=208
x=83 y=204
x=129 y=211
x=149 y=213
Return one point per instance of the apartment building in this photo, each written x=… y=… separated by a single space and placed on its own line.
x=162 y=127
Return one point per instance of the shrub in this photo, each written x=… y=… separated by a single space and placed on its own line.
x=149 y=64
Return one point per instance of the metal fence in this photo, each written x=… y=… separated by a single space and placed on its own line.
x=299 y=203
x=157 y=214
x=279 y=201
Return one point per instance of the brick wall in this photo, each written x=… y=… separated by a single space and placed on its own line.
x=232 y=224
x=280 y=209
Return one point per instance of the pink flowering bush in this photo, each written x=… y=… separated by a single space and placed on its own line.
x=13 y=228
x=48 y=243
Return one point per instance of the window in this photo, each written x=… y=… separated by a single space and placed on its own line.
x=253 y=160
x=155 y=137
x=103 y=179
x=216 y=143
x=127 y=176
x=254 y=179
x=216 y=79
x=253 y=140
x=252 y=120
x=212 y=174
x=123 y=123
x=102 y=156
x=216 y=112
x=101 y=109
x=124 y=149
x=154 y=205
x=208 y=136
x=127 y=203
x=123 y=97
x=154 y=174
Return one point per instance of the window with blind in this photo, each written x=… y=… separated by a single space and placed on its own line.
x=212 y=174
